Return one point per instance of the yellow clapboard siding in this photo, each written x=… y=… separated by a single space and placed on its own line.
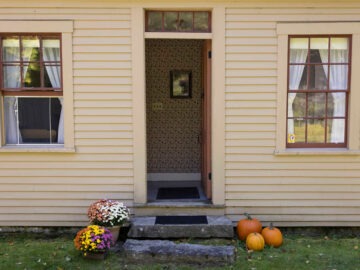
x=55 y=189
x=89 y=24
x=102 y=111
x=54 y=202
x=251 y=72
x=102 y=96
x=295 y=180
x=102 y=33
x=66 y=195
x=294 y=188
x=60 y=180
x=102 y=65
x=68 y=188
x=292 y=210
x=102 y=73
x=103 y=134
x=293 y=203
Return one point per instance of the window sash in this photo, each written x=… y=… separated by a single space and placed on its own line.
x=35 y=91
x=18 y=136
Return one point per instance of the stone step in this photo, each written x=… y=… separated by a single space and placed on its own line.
x=164 y=251
x=178 y=208
x=217 y=227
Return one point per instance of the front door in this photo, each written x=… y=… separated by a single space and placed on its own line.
x=206 y=121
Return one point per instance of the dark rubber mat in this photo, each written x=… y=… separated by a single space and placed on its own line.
x=178 y=193
x=178 y=220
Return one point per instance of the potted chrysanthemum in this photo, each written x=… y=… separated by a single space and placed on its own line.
x=110 y=214
x=94 y=242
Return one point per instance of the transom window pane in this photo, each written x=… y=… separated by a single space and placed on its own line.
x=318 y=88
x=170 y=21
x=201 y=21
x=154 y=21
x=178 y=21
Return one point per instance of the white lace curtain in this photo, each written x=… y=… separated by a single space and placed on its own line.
x=11 y=52
x=51 y=52
x=338 y=81
x=298 y=55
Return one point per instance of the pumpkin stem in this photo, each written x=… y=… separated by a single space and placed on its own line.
x=248 y=216
x=271 y=226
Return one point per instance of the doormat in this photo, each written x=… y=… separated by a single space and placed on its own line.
x=178 y=220
x=178 y=193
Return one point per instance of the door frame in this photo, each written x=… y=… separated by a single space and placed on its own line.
x=217 y=103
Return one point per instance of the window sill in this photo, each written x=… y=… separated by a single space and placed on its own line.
x=37 y=148
x=317 y=152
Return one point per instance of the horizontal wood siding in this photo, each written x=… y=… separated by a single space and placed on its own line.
x=42 y=189
x=289 y=190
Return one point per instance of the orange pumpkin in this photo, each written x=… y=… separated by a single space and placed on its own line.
x=272 y=236
x=247 y=226
x=255 y=241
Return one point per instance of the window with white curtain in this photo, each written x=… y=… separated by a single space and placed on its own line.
x=318 y=89
x=31 y=85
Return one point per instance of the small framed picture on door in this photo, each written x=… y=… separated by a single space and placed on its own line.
x=180 y=83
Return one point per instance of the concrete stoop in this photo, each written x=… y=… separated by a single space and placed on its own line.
x=164 y=251
x=145 y=227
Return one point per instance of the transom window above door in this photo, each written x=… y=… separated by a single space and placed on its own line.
x=318 y=90
x=178 y=21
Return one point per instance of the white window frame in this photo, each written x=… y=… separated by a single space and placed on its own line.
x=66 y=30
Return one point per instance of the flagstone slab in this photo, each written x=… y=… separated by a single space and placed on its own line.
x=165 y=251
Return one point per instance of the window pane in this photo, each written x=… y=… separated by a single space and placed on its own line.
x=336 y=105
x=338 y=77
x=154 y=21
x=30 y=48
x=11 y=49
x=316 y=131
x=186 y=21
x=318 y=77
x=296 y=104
x=336 y=130
x=11 y=76
x=201 y=21
x=319 y=50
x=31 y=75
x=57 y=128
x=339 y=52
x=298 y=50
x=10 y=120
x=52 y=76
x=51 y=49
x=296 y=131
x=170 y=21
x=298 y=77
x=316 y=104
x=33 y=120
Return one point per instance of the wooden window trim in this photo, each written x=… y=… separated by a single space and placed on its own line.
x=327 y=91
x=178 y=19
x=33 y=91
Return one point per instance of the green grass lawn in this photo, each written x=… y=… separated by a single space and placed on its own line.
x=28 y=252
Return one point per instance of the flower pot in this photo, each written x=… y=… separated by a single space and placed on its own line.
x=114 y=231
x=96 y=255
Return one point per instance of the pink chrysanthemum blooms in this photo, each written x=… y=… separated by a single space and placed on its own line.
x=108 y=213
